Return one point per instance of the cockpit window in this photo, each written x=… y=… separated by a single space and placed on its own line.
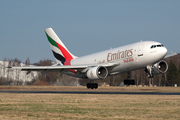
x=154 y=46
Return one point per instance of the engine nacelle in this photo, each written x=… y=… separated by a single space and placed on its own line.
x=98 y=72
x=160 y=67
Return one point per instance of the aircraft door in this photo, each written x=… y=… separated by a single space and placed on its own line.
x=140 y=50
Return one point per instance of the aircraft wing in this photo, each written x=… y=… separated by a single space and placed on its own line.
x=170 y=55
x=66 y=68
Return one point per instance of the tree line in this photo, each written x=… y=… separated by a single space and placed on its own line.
x=171 y=77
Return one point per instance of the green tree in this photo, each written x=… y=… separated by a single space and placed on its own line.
x=178 y=77
x=172 y=75
x=163 y=80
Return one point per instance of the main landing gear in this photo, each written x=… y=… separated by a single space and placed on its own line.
x=92 y=85
x=129 y=81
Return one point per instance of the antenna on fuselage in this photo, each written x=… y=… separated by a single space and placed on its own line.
x=141 y=40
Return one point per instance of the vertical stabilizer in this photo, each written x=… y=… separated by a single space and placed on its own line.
x=61 y=53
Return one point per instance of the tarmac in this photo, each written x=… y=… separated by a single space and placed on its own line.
x=92 y=92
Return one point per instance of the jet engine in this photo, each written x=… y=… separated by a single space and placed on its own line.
x=158 y=68
x=98 y=72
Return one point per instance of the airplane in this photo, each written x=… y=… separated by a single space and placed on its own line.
x=143 y=54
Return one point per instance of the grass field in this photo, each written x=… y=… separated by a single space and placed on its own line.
x=89 y=106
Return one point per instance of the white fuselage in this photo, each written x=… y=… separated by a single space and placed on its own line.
x=130 y=57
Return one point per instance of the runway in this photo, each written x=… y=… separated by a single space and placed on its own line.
x=92 y=92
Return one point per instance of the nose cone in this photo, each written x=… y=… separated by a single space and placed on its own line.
x=163 y=51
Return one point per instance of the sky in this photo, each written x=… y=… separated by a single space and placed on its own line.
x=85 y=27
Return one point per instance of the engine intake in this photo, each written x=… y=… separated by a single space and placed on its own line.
x=98 y=72
x=160 y=67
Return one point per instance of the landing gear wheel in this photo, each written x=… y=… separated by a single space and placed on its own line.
x=92 y=85
x=88 y=85
x=133 y=82
x=125 y=82
x=95 y=85
x=129 y=82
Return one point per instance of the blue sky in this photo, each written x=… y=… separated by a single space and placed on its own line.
x=85 y=27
